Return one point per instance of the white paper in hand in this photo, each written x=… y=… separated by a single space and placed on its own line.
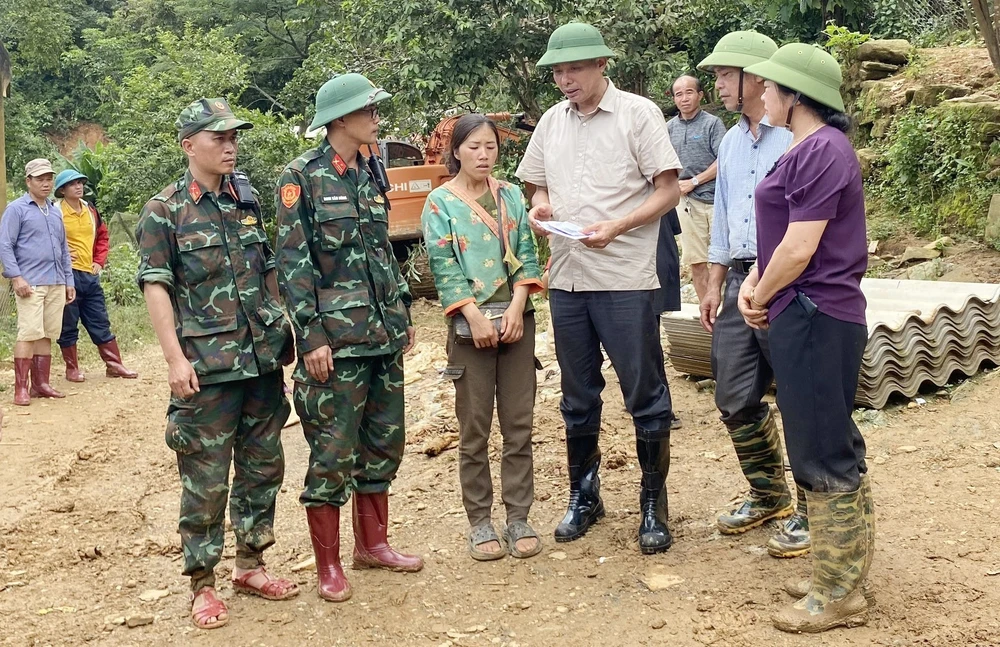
x=567 y=229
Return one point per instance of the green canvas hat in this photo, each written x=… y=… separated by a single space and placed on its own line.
x=575 y=41
x=807 y=69
x=213 y=115
x=342 y=95
x=739 y=49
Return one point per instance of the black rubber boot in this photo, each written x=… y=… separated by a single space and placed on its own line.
x=585 y=505
x=654 y=459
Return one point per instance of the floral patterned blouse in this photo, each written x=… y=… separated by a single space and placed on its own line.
x=464 y=250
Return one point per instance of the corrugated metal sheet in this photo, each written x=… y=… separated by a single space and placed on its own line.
x=918 y=331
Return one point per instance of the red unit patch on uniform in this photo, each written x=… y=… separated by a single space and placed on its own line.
x=339 y=165
x=290 y=194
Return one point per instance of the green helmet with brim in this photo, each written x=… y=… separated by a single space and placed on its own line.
x=807 y=69
x=344 y=94
x=739 y=49
x=575 y=41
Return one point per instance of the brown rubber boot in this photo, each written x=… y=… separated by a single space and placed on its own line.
x=40 y=387
x=73 y=372
x=113 y=359
x=324 y=531
x=371 y=527
x=22 y=370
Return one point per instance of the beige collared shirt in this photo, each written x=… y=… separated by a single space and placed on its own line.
x=599 y=167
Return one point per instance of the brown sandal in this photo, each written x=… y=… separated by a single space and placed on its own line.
x=213 y=608
x=275 y=588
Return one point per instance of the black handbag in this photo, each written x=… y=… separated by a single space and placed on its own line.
x=492 y=311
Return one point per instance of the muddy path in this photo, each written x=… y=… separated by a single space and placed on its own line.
x=88 y=510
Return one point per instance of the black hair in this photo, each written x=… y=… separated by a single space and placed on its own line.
x=465 y=126
x=697 y=82
x=830 y=116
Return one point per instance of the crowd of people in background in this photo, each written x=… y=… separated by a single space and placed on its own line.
x=772 y=224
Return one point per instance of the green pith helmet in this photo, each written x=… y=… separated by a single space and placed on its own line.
x=575 y=41
x=213 y=115
x=807 y=69
x=739 y=49
x=342 y=95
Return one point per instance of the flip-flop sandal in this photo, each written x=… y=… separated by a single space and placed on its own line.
x=275 y=588
x=517 y=530
x=213 y=609
x=483 y=534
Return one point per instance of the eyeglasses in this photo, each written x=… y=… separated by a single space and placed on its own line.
x=372 y=112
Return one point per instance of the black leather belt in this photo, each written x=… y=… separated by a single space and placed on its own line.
x=743 y=265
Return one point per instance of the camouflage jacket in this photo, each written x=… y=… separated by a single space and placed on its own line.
x=213 y=257
x=340 y=281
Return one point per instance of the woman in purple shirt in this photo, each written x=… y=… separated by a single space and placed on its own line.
x=806 y=288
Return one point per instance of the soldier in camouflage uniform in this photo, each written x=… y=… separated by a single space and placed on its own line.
x=350 y=310
x=207 y=274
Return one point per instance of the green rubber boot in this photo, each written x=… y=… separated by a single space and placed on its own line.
x=842 y=545
x=799 y=588
x=758 y=446
x=793 y=538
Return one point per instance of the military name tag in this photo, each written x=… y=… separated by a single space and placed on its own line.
x=330 y=199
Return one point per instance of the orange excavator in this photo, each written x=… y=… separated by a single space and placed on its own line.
x=412 y=175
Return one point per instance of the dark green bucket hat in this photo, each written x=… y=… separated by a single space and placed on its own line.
x=807 y=69
x=342 y=95
x=575 y=41
x=213 y=115
x=739 y=49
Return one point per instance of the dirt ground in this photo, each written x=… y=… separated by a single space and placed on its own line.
x=88 y=510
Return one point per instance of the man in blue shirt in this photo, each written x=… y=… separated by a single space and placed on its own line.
x=740 y=358
x=35 y=257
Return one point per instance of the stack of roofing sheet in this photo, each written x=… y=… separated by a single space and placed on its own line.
x=918 y=331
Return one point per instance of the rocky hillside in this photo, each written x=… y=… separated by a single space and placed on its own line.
x=928 y=136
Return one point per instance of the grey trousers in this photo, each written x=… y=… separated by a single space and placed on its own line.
x=506 y=375
x=741 y=361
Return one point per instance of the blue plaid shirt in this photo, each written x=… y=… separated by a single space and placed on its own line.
x=743 y=163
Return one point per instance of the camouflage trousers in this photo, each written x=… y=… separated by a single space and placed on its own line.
x=235 y=423
x=354 y=427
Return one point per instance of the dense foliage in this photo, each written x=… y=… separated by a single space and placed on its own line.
x=131 y=65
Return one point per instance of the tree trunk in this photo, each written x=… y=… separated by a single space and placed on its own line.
x=988 y=26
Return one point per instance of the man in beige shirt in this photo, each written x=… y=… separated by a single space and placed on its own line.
x=602 y=160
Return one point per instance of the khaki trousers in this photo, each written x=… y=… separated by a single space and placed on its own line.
x=506 y=375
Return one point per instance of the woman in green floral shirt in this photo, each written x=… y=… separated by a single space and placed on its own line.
x=462 y=222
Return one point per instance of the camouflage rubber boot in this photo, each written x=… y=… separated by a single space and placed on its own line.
x=799 y=588
x=841 y=549
x=758 y=447
x=793 y=538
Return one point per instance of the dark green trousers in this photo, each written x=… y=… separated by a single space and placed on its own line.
x=236 y=423
x=354 y=427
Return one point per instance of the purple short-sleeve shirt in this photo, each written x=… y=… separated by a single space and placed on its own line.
x=820 y=179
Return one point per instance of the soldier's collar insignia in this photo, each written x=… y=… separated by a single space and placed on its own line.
x=290 y=194
x=249 y=221
x=379 y=199
x=339 y=164
x=195 y=190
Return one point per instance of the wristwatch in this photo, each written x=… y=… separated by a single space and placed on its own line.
x=694 y=180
